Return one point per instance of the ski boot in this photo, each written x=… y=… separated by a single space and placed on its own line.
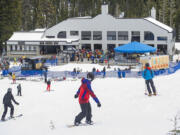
x=2 y=119
x=11 y=116
x=89 y=122
x=76 y=123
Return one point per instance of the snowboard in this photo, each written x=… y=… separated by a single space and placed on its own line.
x=82 y=124
x=14 y=118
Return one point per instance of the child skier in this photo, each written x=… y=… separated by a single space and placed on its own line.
x=7 y=103
x=83 y=94
x=14 y=78
x=48 y=85
x=19 y=90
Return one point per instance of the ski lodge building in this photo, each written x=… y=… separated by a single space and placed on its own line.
x=101 y=32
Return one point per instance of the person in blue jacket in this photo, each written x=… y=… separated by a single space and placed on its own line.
x=148 y=75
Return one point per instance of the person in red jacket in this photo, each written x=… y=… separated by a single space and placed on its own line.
x=48 y=85
x=84 y=93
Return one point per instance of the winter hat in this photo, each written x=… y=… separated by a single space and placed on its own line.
x=9 y=89
x=90 y=75
x=147 y=65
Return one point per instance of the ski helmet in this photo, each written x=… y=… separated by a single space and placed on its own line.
x=9 y=89
x=147 y=65
x=90 y=75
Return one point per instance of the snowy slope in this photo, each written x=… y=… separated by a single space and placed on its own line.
x=125 y=109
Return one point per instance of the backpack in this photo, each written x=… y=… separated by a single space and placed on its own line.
x=146 y=71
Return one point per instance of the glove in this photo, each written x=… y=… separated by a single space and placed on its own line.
x=99 y=105
x=76 y=96
x=17 y=103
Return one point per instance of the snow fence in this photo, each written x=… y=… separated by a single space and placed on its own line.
x=69 y=74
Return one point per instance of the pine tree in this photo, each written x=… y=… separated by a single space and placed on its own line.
x=172 y=12
x=10 y=15
x=27 y=15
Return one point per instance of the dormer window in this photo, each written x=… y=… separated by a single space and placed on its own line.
x=61 y=34
x=148 y=35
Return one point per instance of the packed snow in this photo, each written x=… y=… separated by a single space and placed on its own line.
x=125 y=109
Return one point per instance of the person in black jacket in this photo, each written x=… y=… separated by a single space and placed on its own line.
x=7 y=103
x=19 y=90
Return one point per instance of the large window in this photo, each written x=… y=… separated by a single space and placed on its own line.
x=97 y=46
x=25 y=48
x=148 y=35
x=34 y=48
x=74 y=33
x=61 y=34
x=110 y=47
x=111 y=35
x=30 y=47
x=16 y=47
x=20 y=48
x=86 y=35
x=97 y=35
x=162 y=48
x=135 y=36
x=123 y=35
x=162 y=38
x=86 y=46
x=11 y=48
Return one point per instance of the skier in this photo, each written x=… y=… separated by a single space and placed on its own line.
x=45 y=75
x=48 y=85
x=19 y=90
x=7 y=103
x=148 y=75
x=14 y=78
x=104 y=72
x=83 y=94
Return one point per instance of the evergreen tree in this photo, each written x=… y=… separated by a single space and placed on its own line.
x=27 y=15
x=10 y=15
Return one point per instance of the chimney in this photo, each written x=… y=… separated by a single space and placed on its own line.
x=153 y=13
x=104 y=9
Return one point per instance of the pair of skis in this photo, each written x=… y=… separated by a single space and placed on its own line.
x=147 y=93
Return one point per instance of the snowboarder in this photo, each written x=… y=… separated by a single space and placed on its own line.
x=19 y=90
x=7 y=103
x=48 y=85
x=148 y=75
x=83 y=94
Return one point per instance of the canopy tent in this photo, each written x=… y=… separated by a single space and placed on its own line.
x=134 y=47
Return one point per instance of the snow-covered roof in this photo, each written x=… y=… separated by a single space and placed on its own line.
x=152 y=20
x=36 y=36
x=26 y=36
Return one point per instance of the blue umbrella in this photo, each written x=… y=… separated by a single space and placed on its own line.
x=134 y=47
